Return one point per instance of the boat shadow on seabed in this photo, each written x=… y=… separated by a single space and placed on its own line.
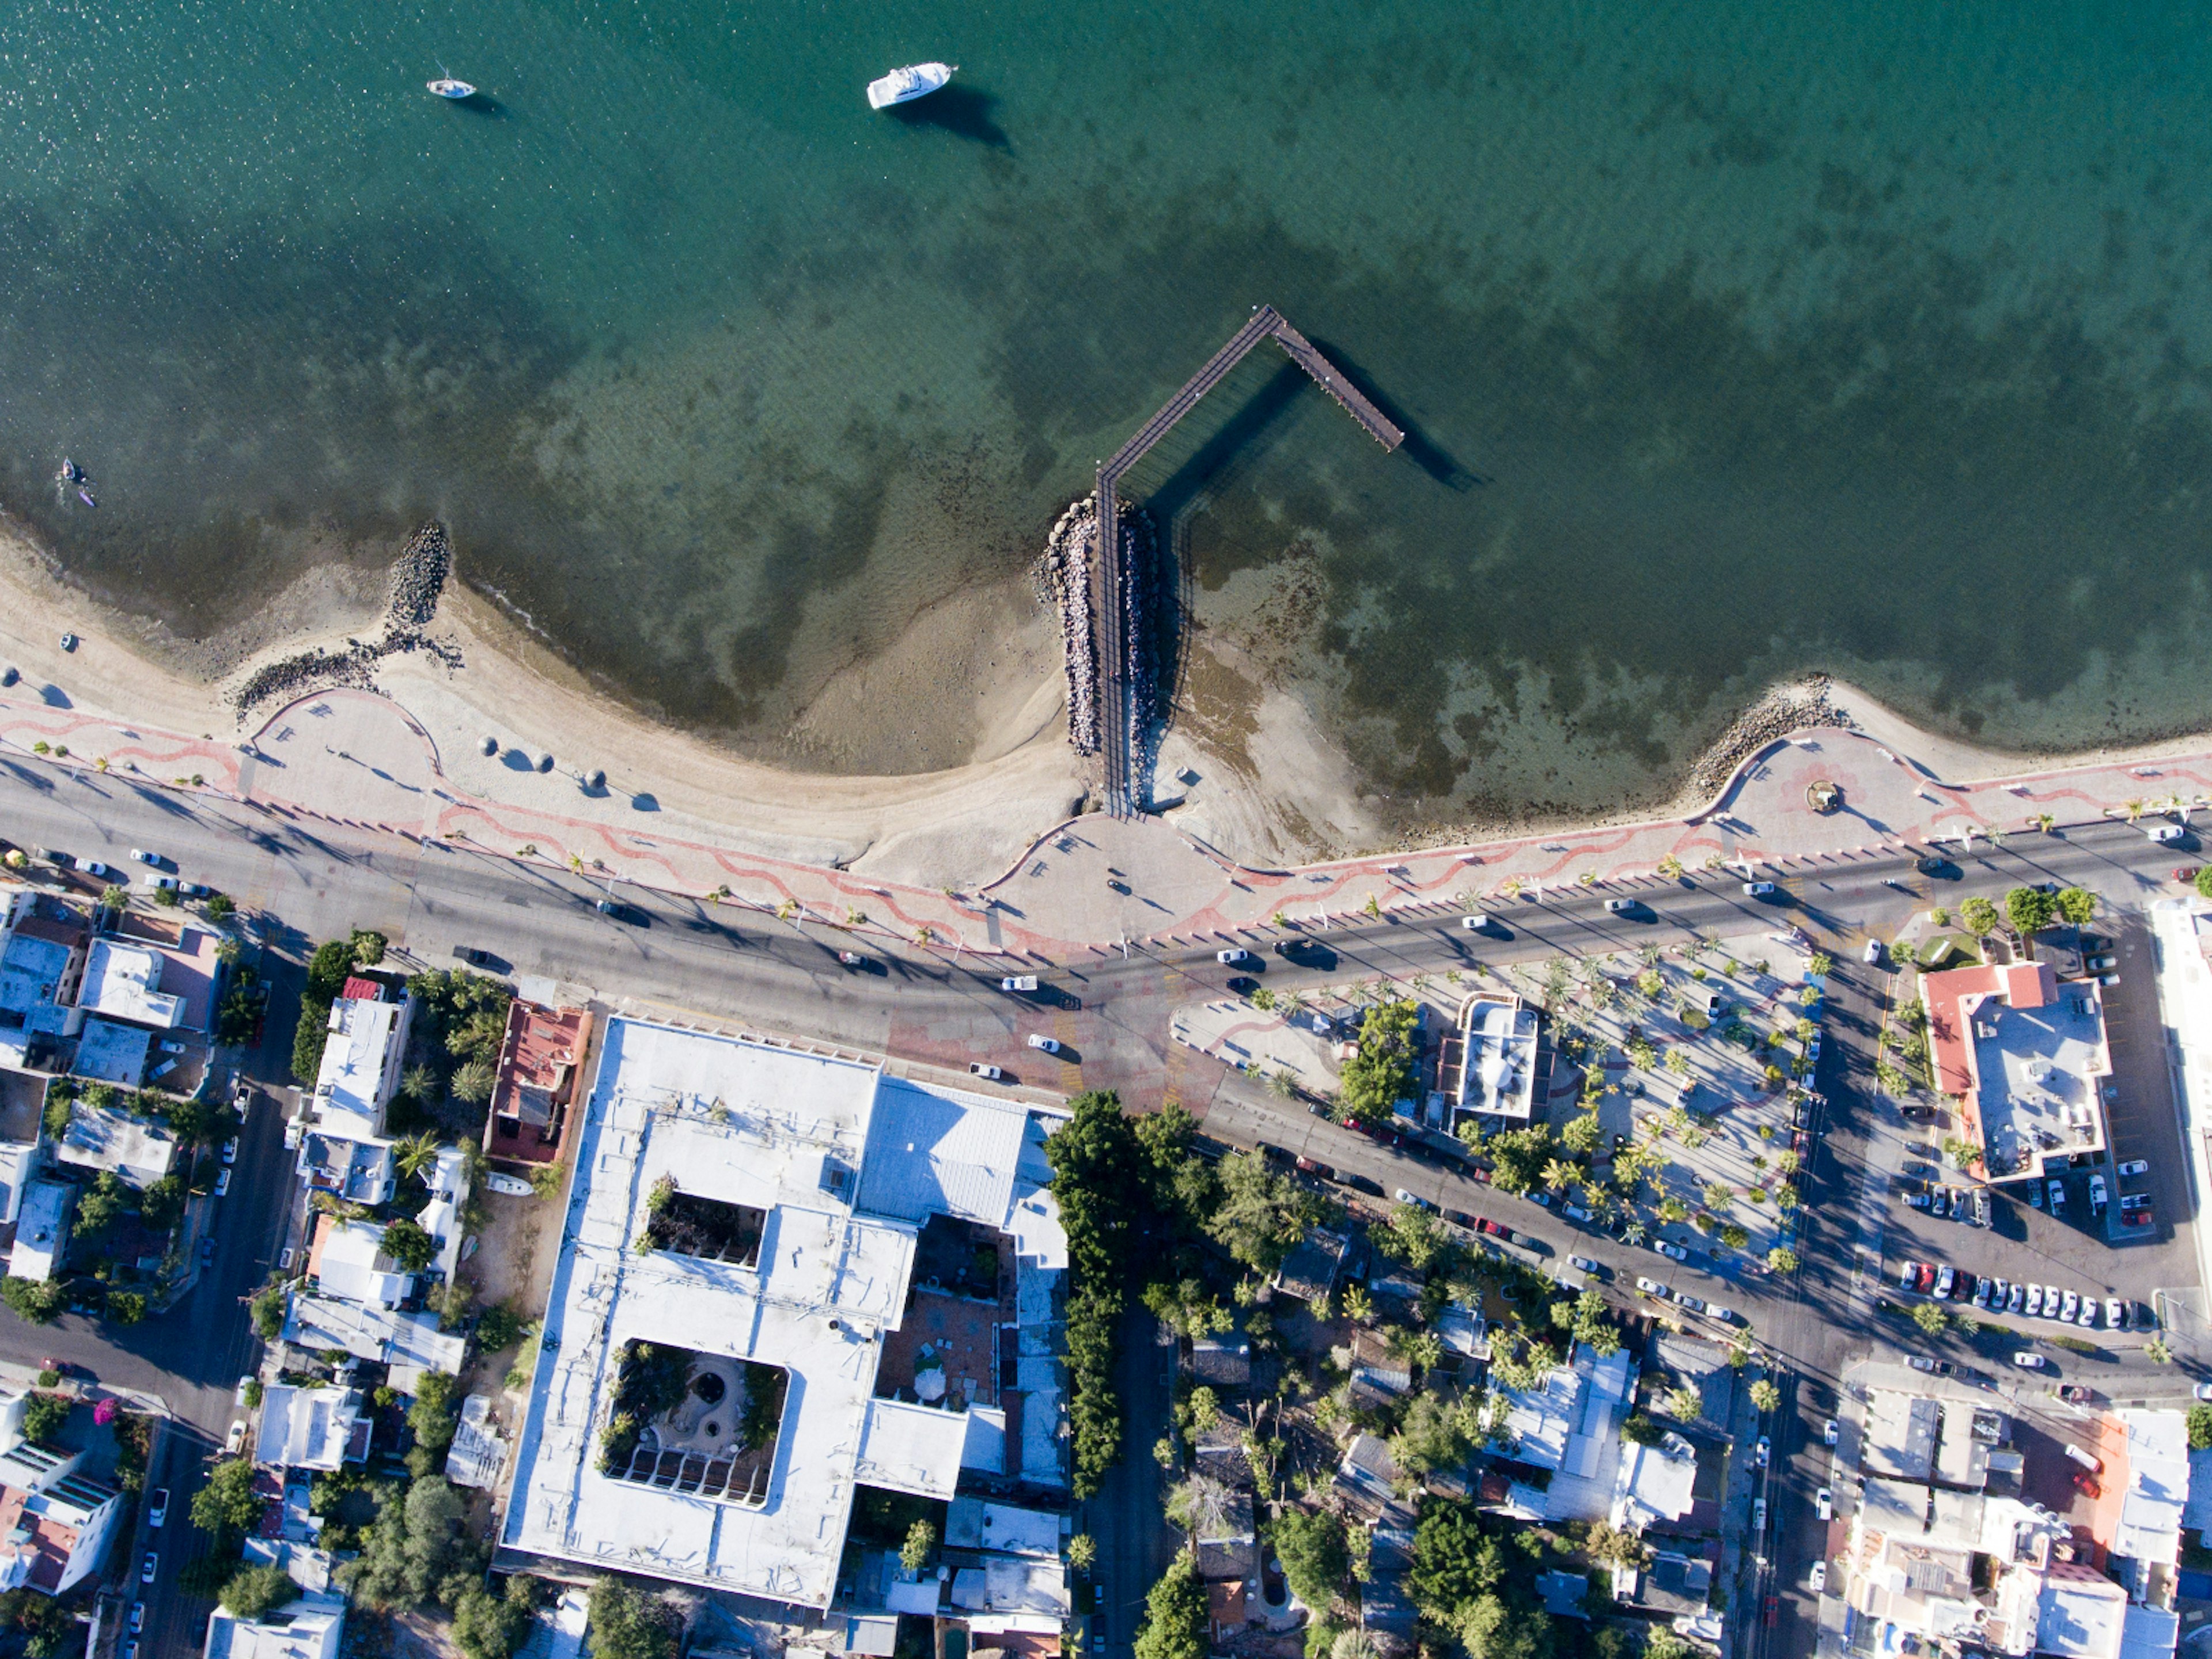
x=963 y=111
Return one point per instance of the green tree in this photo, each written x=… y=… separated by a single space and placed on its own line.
x=1640 y=1431
x=2030 y=911
x=2200 y=1428
x=406 y=1554
x=102 y=1205
x=45 y=1414
x=1434 y=1433
x=254 y=1593
x=2155 y=1351
x=37 y=1301
x=2079 y=905
x=1782 y=1259
x=268 y=1308
x=919 y=1547
x=1413 y=1236
x=1663 y=1643
x=413 y=1155
x=1311 y=1548
x=1096 y=1166
x=488 y=1626
x=409 y=1246
x=431 y=1417
x=1174 y=1625
x=1615 y=1546
x=1495 y=1627
x=1764 y=1396
x=1931 y=1319
x=1082 y=1551
x=475 y=1081
x=624 y=1625
x=1517 y=1158
x=1583 y=1135
x=1978 y=916
x=163 y=1204
x=1186 y=1307
x=125 y=1307
x=1454 y=1562
x=1381 y=1073
x=226 y=1505
x=1262 y=1214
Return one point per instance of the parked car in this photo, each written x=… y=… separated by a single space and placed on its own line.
x=2074 y=1393
x=1926 y=1282
x=1313 y=1166
x=1819 y=1580
x=1916 y=1200
x=1982 y=1288
x=148 y=1567
x=1235 y=957
x=162 y=884
x=1725 y=1316
x=1824 y=1503
x=2088 y=1321
x=1759 y=889
x=988 y=1073
x=2016 y=1298
x=1872 y=953
x=1049 y=1045
x=236 y=1438
x=1475 y=923
x=223 y=1181
x=196 y=890
x=2099 y=1195
x=2134 y=1166
x=1831 y=1432
x=1762 y=1453
x=474 y=956
x=1360 y=1183
x=137 y=1617
x=1916 y=1114
x=1920 y=1364
x=2164 y=835
x=2029 y=1362
x=2184 y=872
x=157 y=1509
x=2070 y=1307
x=1018 y=983
x=230 y=1150
x=1671 y=1250
x=2112 y=1314
x=1695 y=1304
x=2202 y=1391
x=104 y=871
x=145 y=857
x=2057 y=1189
x=1908 y=1276
x=2035 y=1300
x=1583 y=1264
x=1416 y=1200
x=1652 y=1287
x=2101 y=964
x=1945 y=1276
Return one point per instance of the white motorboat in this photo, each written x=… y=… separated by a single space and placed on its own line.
x=904 y=85
x=445 y=86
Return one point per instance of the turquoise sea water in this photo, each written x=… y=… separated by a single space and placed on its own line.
x=1736 y=338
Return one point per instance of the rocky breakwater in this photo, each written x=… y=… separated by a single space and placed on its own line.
x=418 y=580
x=1785 y=709
x=1063 y=576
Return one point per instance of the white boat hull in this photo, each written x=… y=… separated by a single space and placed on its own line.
x=902 y=85
x=452 y=88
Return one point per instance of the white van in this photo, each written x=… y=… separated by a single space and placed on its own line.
x=2093 y=1465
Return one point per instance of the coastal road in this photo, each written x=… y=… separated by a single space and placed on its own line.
x=300 y=883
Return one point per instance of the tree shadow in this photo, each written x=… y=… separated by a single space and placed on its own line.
x=963 y=111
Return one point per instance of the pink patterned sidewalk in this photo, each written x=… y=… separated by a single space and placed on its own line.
x=352 y=757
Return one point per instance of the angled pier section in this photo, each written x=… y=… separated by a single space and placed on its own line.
x=1115 y=601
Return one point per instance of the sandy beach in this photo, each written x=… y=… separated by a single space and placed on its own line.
x=973 y=691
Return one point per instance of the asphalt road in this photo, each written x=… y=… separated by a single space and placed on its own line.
x=300 y=883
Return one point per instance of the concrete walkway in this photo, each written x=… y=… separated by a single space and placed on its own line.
x=353 y=757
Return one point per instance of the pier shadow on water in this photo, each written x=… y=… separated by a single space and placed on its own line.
x=963 y=111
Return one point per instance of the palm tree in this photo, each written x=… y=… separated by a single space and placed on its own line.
x=413 y=1154
x=2043 y=822
x=1558 y=1174
x=2134 y=810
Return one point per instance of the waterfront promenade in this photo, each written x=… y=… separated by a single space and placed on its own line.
x=352 y=757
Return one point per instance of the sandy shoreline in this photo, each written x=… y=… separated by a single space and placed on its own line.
x=983 y=667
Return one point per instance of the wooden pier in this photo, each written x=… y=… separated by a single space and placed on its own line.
x=1119 y=643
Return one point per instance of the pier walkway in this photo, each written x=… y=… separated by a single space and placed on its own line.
x=1114 y=603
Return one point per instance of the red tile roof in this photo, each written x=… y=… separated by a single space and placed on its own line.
x=539 y=1061
x=50 y=1545
x=363 y=990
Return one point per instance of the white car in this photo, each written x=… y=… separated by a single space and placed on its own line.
x=1475 y=923
x=236 y=1438
x=1871 y=954
x=1694 y=1304
x=1825 y=1501
x=988 y=1073
x=230 y=1150
x=1050 y=1045
x=2035 y=1300
x=1619 y=907
x=1234 y=957
x=1653 y=1287
x=1583 y=1264
x=2112 y=1313
x=2088 y=1321
x=1726 y=1315
x=1018 y=983
x=1757 y=888
x=1829 y=1431
x=1762 y=1453
x=148 y=1568
x=137 y=1617
x=223 y=1181
x=145 y=857
x=103 y=871
x=2029 y=1362
x=2202 y=1391
x=2070 y=1307
x=2135 y=1166
x=1671 y=1250
x=1819 y=1580
x=157 y=1509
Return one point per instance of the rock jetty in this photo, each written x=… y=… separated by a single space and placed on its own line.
x=418 y=580
x=1064 y=580
x=1785 y=709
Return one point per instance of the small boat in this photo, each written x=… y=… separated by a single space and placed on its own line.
x=85 y=496
x=71 y=472
x=445 y=86
x=904 y=85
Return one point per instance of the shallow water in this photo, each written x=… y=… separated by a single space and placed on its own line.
x=1734 y=339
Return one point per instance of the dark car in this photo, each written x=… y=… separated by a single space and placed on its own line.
x=58 y=859
x=1461 y=1219
x=1918 y=1113
x=1360 y=1183
x=1272 y=1152
x=471 y=955
x=1941 y=868
x=629 y=914
x=1243 y=986
x=1315 y=1167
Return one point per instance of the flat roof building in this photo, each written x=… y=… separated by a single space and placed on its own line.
x=743 y=1225
x=42 y=1230
x=2023 y=1054
x=362 y=1059
x=541 y=1062
x=124 y=981
x=1494 y=1072
x=136 y=1150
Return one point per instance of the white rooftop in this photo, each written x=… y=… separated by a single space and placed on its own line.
x=2079 y=1615
x=309 y=1628
x=2149 y=1527
x=305 y=1428
x=125 y=980
x=139 y=1151
x=1500 y=1069
x=971 y=1524
x=409 y=1342
x=348 y=1086
x=797 y=1137
x=344 y=1260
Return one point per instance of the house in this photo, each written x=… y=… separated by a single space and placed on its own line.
x=1569 y=1426
x=1368 y=1470
x=55 y=1522
x=138 y=1151
x=23 y=1145
x=42 y=1230
x=448 y=1180
x=479 y=1451
x=311 y=1625
x=342 y=1146
x=1221 y=1363
x=1310 y=1271
x=751 y=1213
x=407 y=1343
x=346 y=1261
x=310 y=1428
x=124 y=982
x=541 y=1060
